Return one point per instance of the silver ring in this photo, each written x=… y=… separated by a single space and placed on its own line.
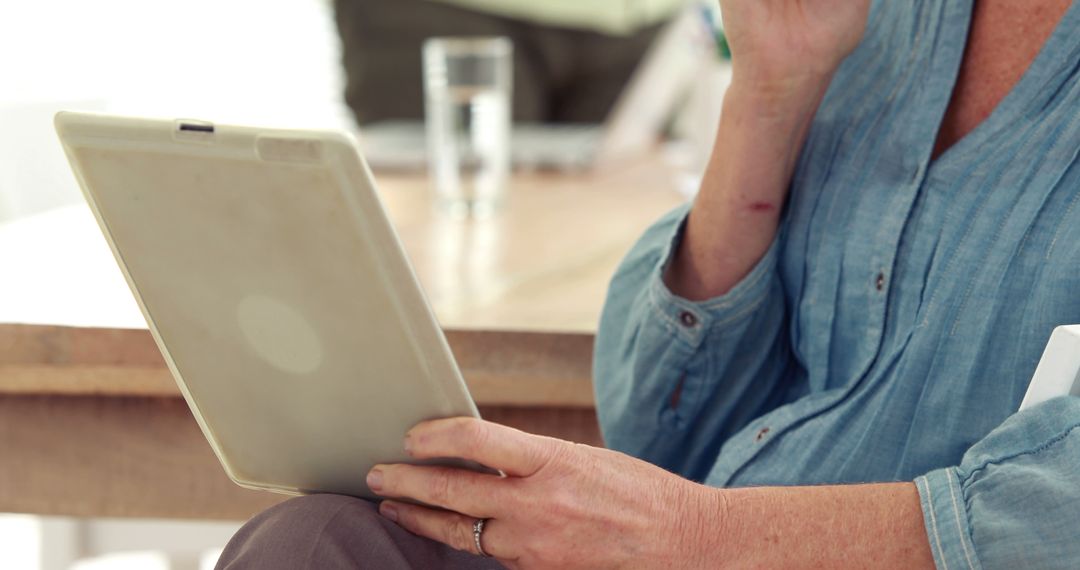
x=477 y=532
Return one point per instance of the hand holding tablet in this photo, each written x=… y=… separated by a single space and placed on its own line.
x=276 y=290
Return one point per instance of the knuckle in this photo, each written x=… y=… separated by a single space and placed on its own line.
x=440 y=487
x=543 y=454
x=449 y=535
x=564 y=451
x=563 y=458
x=408 y=519
x=459 y=537
x=563 y=501
x=521 y=496
x=461 y=425
x=474 y=436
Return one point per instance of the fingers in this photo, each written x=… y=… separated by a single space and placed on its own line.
x=512 y=451
x=475 y=494
x=453 y=529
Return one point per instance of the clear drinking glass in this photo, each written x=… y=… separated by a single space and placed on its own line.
x=467 y=83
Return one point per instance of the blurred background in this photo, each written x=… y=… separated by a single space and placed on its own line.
x=588 y=75
x=235 y=59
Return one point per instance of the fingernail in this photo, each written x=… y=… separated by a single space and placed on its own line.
x=408 y=444
x=375 y=479
x=389 y=511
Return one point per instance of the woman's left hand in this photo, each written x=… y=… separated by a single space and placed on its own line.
x=561 y=505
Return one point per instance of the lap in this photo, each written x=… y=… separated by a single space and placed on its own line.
x=337 y=532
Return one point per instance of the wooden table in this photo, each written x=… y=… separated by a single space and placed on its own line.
x=92 y=424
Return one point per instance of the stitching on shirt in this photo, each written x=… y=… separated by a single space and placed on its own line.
x=1053 y=187
x=854 y=135
x=825 y=402
x=1062 y=225
x=662 y=297
x=690 y=343
x=959 y=525
x=990 y=462
x=750 y=308
x=658 y=298
x=952 y=257
x=933 y=522
x=659 y=292
x=668 y=322
x=1054 y=134
x=1029 y=142
x=911 y=70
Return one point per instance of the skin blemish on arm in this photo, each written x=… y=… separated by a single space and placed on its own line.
x=761 y=207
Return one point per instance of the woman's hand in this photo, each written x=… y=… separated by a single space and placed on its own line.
x=561 y=505
x=785 y=44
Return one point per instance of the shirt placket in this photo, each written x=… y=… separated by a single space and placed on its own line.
x=894 y=207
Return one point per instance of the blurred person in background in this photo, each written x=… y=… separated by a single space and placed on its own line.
x=572 y=58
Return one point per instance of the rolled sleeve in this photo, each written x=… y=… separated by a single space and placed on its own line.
x=1015 y=498
x=726 y=310
x=946 y=518
x=661 y=359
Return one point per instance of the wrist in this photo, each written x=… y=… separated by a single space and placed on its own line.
x=758 y=124
x=702 y=529
x=795 y=98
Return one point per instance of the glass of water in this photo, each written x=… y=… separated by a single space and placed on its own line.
x=467 y=83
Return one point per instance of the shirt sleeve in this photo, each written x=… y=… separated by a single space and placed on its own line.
x=675 y=378
x=1014 y=500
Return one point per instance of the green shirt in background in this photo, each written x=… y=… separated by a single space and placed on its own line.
x=615 y=17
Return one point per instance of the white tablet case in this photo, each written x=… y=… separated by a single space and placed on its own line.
x=1058 y=373
x=276 y=289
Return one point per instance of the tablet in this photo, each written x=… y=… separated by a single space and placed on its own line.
x=1058 y=372
x=276 y=290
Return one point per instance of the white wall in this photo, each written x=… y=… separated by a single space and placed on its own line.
x=269 y=62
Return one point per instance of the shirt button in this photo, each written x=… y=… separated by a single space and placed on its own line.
x=688 y=319
x=880 y=282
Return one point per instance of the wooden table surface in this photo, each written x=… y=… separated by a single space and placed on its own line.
x=92 y=424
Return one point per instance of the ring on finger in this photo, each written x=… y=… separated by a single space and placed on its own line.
x=478 y=533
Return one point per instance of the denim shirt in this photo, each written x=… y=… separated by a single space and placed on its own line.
x=892 y=328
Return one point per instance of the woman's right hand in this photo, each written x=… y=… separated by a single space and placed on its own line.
x=782 y=46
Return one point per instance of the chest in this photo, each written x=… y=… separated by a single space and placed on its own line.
x=913 y=284
x=885 y=247
x=1003 y=41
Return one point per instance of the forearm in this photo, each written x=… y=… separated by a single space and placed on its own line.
x=840 y=526
x=735 y=215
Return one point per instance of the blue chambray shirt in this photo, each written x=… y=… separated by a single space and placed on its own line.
x=891 y=330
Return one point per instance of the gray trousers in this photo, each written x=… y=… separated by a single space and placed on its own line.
x=332 y=532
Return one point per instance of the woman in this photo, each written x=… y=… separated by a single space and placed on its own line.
x=886 y=235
